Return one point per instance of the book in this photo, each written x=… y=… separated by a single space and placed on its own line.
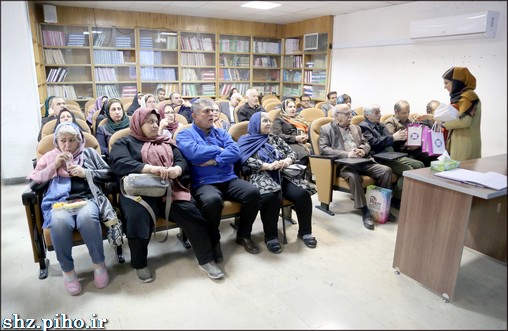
x=492 y=180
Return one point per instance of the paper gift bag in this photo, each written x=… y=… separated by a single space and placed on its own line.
x=425 y=139
x=378 y=202
x=414 y=134
x=438 y=143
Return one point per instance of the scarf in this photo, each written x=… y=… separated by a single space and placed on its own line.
x=171 y=127
x=254 y=142
x=111 y=126
x=134 y=105
x=298 y=121
x=47 y=105
x=462 y=96
x=156 y=151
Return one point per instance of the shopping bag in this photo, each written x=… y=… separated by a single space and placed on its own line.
x=378 y=202
x=426 y=138
x=436 y=144
x=414 y=134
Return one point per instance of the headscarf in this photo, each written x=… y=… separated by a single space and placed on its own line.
x=134 y=105
x=97 y=107
x=73 y=119
x=298 y=121
x=110 y=125
x=254 y=142
x=462 y=96
x=171 y=126
x=47 y=105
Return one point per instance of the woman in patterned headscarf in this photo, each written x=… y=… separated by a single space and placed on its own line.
x=464 y=136
x=293 y=129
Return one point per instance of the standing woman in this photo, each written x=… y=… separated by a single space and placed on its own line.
x=266 y=155
x=168 y=123
x=464 y=137
x=65 y=168
x=146 y=151
x=293 y=129
x=117 y=120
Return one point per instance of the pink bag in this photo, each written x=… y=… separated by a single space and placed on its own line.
x=434 y=143
x=425 y=139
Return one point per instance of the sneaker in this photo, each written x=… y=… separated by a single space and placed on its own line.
x=144 y=275
x=212 y=269
x=101 y=277
x=72 y=284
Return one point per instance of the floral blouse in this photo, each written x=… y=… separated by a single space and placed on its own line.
x=262 y=178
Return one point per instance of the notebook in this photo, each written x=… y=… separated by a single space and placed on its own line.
x=492 y=180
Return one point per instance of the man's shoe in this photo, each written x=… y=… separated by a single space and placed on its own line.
x=368 y=222
x=144 y=275
x=217 y=254
x=392 y=218
x=274 y=246
x=308 y=240
x=212 y=270
x=248 y=244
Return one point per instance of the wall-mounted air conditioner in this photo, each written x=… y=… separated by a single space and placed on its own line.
x=482 y=24
x=310 y=41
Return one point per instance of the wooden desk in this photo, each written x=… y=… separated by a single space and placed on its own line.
x=439 y=216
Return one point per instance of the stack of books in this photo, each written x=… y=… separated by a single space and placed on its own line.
x=76 y=40
x=129 y=91
x=146 y=42
x=123 y=42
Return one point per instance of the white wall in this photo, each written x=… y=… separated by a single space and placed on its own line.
x=20 y=99
x=385 y=74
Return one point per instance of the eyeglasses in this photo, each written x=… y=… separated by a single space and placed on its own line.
x=169 y=112
x=346 y=114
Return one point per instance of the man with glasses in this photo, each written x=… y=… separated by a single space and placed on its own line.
x=341 y=139
x=211 y=153
x=304 y=103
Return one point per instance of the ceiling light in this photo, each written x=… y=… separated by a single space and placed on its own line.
x=261 y=5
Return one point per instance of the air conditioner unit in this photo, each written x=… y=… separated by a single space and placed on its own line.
x=310 y=41
x=482 y=24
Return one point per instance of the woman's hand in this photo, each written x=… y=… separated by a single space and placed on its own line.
x=76 y=171
x=62 y=159
x=174 y=172
x=301 y=139
x=163 y=124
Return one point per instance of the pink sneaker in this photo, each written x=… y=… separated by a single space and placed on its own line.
x=101 y=277
x=72 y=284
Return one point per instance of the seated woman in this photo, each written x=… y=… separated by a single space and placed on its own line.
x=67 y=116
x=168 y=124
x=149 y=101
x=293 y=128
x=99 y=102
x=218 y=122
x=117 y=120
x=146 y=151
x=65 y=168
x=266 y=155
x=231 y=92
x=135 y=104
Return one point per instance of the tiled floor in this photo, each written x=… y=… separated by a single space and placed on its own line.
x=347 y=282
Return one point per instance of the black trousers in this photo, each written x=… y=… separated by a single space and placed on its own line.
x=211 y=200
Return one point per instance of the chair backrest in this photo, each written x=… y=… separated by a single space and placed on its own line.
x=88 y=103
x=77 y=113
x=310 y=114
x=179 y=129
x=127 y=105
x=94 y=121
x=315 y=128
x=269 y=101
x=357 y=119
x=272 y=115
x=46 y=144
x=102 y=122
x=268 y=96
x=238 y=129
x=88 y=109
x=49 y=127
x=385 y=117
x=73 y=107
x=223 y=117
x=359 y=110
x=177 y=109
x=125 y=100
x=181 y=119
x=72 y=103
x=271 y=106
x=235 y=112
x=117 y=135
x=319 y=104
x=163 y=103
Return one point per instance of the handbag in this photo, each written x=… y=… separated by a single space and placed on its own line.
x=145 y=185
x=294 y=170
x=134 y=186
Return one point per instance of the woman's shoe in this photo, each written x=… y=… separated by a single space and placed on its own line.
x=101 y=277
x=308 y=240
x=274 y=246
x=72 y=284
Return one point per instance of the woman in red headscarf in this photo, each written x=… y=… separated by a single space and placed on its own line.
x=464 y=137
x=144 y=150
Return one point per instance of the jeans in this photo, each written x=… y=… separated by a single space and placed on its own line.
x=86 y=221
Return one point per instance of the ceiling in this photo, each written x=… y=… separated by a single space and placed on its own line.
x=289 y=12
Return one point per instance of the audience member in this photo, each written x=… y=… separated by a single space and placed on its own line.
x=117 y=120
x=304 y=103
x=146 y=151
x=345 y=98
x=65 y=168
x=168 y=123
x=185 y=106
x=218 y=122
x=231 y=92
x=212 y=153
x=341 y=139
x=293 y=129
x=136 y=103
x=250 y=107
x=149 y=101
x=228 y=108
x=67 y=116
x=47 y=106
x=400 y=121
x=380 y=140
x=332 y=101
x=267 y=155
x=161 y=94
x=56 y=104
x=99 y=102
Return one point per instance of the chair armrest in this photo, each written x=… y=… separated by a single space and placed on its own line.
x=29 y=197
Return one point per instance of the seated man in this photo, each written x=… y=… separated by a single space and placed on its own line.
x=428 y=118
x=400 y=121
x=228 y=108
x=55 y=106
x=304 y=103
x=212 y=153
x=251 y=106
x=380 y=140
x=332 y=101
x=160 y=94
x=185 y=106
x=342 y=139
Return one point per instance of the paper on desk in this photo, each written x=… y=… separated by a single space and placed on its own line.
x=492 y=180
